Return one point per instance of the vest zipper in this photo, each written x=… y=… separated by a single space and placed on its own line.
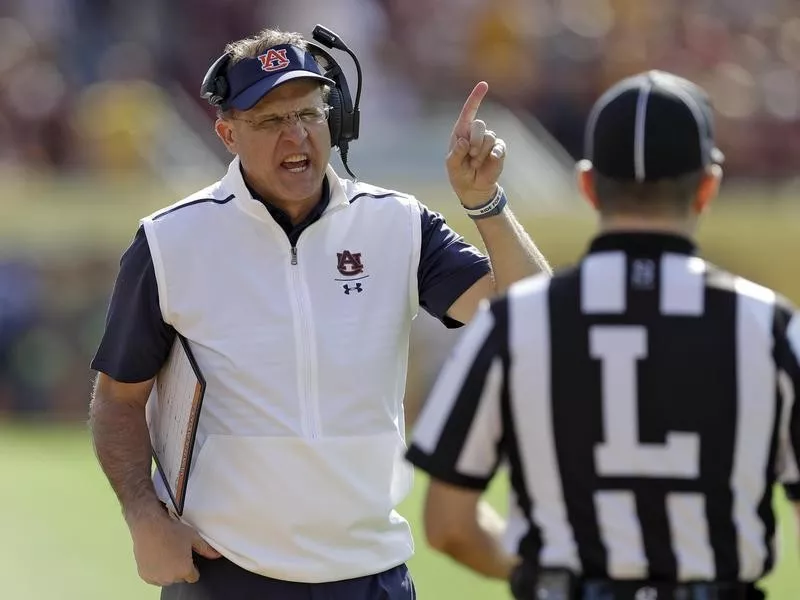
x=307 y=371
x=307 y=359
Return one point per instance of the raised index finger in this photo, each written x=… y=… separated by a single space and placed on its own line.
x=470 y=109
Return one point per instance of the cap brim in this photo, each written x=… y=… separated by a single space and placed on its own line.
x=249 y=97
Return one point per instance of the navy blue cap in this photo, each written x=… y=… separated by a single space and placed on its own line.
x=651 y=126
x=251 y=79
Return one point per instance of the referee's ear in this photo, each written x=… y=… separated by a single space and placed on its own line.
x=585 y=175
x=708 y=188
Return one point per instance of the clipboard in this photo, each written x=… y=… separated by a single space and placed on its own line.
x=173 y=412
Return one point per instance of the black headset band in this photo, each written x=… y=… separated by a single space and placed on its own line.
x=333 y=71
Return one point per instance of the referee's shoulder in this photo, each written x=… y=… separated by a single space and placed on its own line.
x=544 y=283
x=533 y=288
x=725 y=282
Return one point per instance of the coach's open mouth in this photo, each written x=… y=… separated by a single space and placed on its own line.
x=296 y=163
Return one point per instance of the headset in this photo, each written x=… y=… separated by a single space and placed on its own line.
x=344 y=117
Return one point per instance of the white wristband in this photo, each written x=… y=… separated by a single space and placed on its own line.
x=494 y=207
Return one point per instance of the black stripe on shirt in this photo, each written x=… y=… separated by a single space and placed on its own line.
x=719 y=389
x=530 y=543
x=789 y=363
x=577 y=416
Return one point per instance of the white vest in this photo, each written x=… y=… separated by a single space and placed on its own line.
x=299 y=454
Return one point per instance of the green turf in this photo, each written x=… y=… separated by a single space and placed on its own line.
x=61 y=536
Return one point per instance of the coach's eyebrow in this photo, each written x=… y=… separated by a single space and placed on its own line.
x=265 y=116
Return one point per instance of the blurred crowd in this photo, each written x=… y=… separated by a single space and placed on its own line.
x=51 y=317
x=85 y=84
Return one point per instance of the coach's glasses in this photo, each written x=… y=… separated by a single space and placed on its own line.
x=315 y=115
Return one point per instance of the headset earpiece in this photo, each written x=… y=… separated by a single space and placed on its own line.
x=335 y=116
x=342 y=120
x=215 y=86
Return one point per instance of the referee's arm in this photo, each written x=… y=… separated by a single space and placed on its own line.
x=457 y=441
x=788 y=355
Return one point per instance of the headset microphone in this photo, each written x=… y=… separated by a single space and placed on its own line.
x=325 y=36
x=350 y=112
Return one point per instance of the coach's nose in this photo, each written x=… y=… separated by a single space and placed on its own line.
x=296 y=130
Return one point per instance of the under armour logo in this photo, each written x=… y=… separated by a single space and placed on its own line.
x=352 y=288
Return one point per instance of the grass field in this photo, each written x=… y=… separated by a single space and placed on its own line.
x=61 y=536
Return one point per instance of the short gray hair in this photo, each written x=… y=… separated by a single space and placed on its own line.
x=262 y=41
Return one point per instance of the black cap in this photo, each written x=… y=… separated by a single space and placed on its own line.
x=651 y=126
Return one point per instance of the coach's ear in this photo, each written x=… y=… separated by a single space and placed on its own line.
x=225 y=132
x=585 y=175
x=709 y=188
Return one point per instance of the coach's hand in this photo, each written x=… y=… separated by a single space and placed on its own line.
x=163 y=550
x=476 y=155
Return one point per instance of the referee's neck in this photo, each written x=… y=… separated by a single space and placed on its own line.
x=630 y=224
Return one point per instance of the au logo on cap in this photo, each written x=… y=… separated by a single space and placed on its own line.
x=274 y=60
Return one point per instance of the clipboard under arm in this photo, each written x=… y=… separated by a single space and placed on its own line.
x=173 y=413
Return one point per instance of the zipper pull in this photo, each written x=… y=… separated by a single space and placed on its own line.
x=294 y=255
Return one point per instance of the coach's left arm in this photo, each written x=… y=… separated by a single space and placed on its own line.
x=474 y=163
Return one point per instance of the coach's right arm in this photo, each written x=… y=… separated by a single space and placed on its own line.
x=788 y=363
x=135 y=345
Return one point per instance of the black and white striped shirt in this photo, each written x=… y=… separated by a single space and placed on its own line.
x=644 y=402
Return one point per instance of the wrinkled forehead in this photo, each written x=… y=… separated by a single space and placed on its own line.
x=293 y=95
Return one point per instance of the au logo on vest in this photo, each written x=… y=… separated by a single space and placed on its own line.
x=350 y=265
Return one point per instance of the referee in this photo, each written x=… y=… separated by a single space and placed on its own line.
x=643 y=400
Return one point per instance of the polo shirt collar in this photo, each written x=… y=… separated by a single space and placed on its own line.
x=233 y=183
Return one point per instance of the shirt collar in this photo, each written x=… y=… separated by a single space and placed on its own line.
x=643 y=243
x=282 y=219
x=234 y=183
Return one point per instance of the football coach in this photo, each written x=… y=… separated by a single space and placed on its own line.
x=295 y=289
